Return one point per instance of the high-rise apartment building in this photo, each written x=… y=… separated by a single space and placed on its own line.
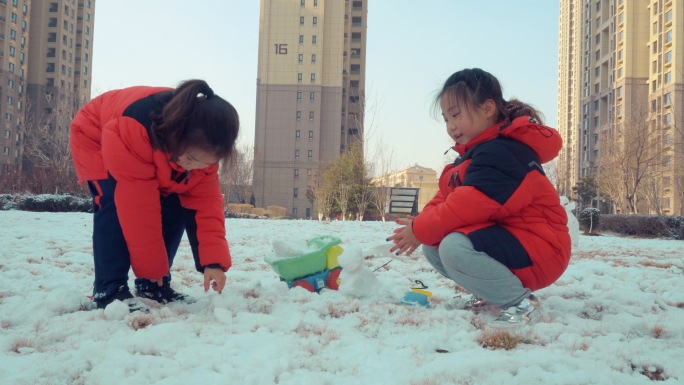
x=310 y=95
x=45 y=52
x=621 y=59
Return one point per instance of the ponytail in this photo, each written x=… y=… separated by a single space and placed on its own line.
x=515 y=109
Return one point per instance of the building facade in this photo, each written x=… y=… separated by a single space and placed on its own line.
x=45 y=51
x=620 y=60
x=422 y=178
x=310 y=95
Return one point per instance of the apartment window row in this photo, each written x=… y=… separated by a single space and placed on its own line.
x=299 y=115
x=298 y=135
x=312 y=96
x=309 y=154
x=303 y=3
x=314 y=39
x=300 y=77
x=296 y=173
x=301 y=58
x=314 y=21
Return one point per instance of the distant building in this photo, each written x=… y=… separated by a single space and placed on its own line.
x=310 y=95
x=45 y=53
x=618 y=58
x=415 y=176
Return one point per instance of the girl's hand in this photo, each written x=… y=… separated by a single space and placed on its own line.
x=159 y=282
x=215 y=278
x=404 y=239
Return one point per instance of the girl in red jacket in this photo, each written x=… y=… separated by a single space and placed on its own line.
x=496 y=226
x=150 y=156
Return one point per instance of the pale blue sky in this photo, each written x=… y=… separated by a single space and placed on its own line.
x=413 y=46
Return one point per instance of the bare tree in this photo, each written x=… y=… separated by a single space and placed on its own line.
x=236 y=177
x=321 y=194
x=48 y=165
x=629 y=154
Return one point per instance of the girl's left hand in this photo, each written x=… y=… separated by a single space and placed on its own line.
x=404 y=239
x=215 y=278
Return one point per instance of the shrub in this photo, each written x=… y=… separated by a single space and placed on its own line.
x=9 y=201
x=54 y=203
x=647 y=226
x=239 y=208
x=258 y=211
x=276 y=211
x=589 y=219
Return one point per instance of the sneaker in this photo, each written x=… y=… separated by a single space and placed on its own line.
x=522 y=313
x=465 y=302
x=162 y=294
x=124 y=295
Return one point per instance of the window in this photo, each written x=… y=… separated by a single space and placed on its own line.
x=310 y=135
x=668 y=16
x=668 y=77
x=8 y=134
x=299 y=95
x=668 y=37
x=6 y=151
x=313 y=39
x=302 y=3
x=619 y=72
x=619 y=54
x=668 y=56
x=301 y=39
x=296 y=173
x=667 y=119
x=315 y=3
x=310 y=155
x=313 y=77
x=295 y=192
x=619 y=92
x=296 y=154
x=312 y=96
x=308 y=172
x=311 y=115
x=13 y=34
x=667 y=99
x=313 y=57
x=301 y=20
x=294 y=210
x=301 y=58
x=299 y=115
x=654 y=66
x=10 y=101
x=308 y=209
x=10 y=67
x=298 y=135
x=10 y=83
x=315 y=21
x=621 y=36
x=299 y=77
x=11 y=51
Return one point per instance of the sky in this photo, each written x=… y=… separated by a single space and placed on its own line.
x=614 y=317
x=412 y=48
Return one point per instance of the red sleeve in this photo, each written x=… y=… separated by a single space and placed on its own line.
x=127 y=154
x=207 y=201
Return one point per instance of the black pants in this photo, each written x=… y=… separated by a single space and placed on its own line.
x=110 y=252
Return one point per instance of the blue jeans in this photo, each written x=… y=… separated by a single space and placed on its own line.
x=110 y=253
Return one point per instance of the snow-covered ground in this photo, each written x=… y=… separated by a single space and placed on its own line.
x=615 y=317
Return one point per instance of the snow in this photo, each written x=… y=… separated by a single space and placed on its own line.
x=615 y=316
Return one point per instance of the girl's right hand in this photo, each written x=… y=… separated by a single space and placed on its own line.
x=159 y=282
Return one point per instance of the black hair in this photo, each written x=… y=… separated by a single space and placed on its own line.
x=471 y=87
x=196 y=117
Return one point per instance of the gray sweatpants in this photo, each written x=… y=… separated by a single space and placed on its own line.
x=475 y=271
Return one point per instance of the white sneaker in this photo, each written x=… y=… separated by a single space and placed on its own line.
x=522 y=313
x=465 y=302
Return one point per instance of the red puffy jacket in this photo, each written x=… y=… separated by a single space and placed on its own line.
x=109 y=135
x=497 y=194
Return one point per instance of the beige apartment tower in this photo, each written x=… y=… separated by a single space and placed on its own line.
x=621 y=63
x=46 y=53
x=310 y=92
